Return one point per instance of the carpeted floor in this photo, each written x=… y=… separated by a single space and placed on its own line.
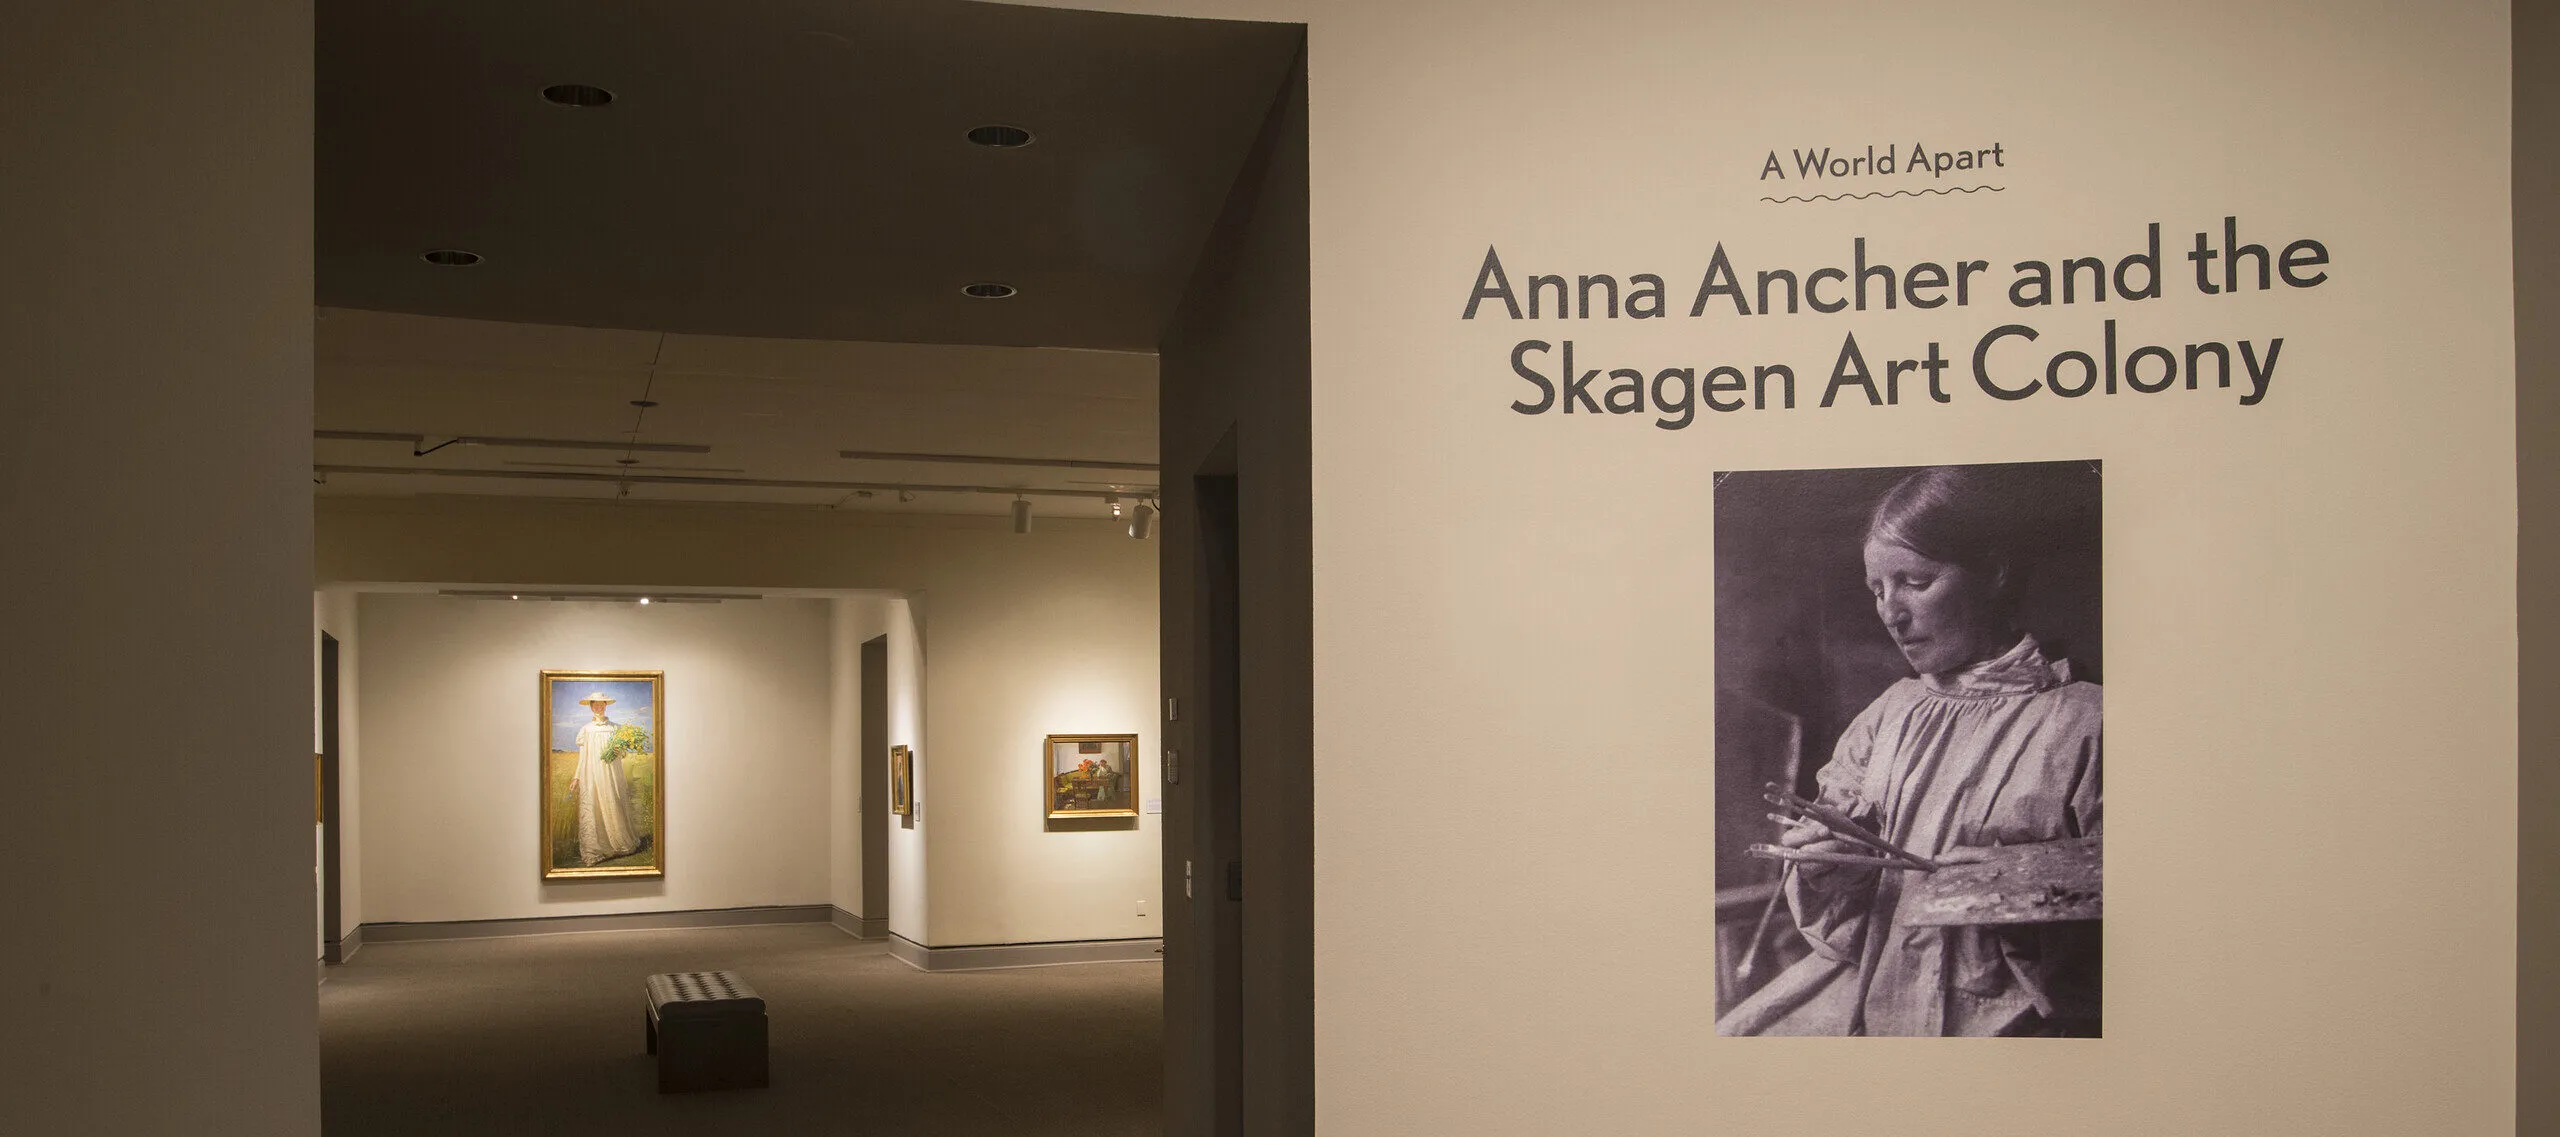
x=542 y=1035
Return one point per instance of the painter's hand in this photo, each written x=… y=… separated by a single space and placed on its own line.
x=1810 y=835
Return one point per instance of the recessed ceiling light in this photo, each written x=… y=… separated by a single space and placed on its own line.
x=576 y=95
x=988 y=290
x=1001 y=137
x=450 y=258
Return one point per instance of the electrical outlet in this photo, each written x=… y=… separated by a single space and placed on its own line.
x=1142 y=909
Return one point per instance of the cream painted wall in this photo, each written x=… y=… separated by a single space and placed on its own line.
x=850 y=622
x=155 y=417
x=2311 y=648
x=1008 y=664
x=910 y=885
x=334 y=612
x=1008 y=638
x=450 y=726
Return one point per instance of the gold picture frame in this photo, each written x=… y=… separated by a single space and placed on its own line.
x=1089 y=775
x=902 y=781
x=603 y=795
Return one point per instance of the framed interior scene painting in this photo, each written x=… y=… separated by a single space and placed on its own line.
x=902 y=781
x=1090 y=775
x=603 y=814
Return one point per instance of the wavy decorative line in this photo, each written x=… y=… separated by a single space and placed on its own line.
x=1885 y=193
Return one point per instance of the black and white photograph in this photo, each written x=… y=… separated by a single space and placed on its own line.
x=1908 y=744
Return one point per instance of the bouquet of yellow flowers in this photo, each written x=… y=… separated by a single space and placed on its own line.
x=628 y=739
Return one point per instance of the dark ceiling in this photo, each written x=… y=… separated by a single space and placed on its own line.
x=782 y=168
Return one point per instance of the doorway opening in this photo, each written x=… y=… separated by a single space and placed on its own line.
x=1220 y=740
x=333 y=925
x=885 y=297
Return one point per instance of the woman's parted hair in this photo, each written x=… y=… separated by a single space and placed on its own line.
x=1991 y=519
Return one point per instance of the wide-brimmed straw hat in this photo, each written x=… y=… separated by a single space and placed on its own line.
x=598 y=697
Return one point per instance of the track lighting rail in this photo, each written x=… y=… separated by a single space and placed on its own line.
x=985 y=460
x=325 y=470
x=420 y=449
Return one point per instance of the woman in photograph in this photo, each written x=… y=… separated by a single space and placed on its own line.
x=1992 y=742
x=603 y=795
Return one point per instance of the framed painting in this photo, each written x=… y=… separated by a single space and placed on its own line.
x=902 y=781
x=604 y=809
x=1089 y=775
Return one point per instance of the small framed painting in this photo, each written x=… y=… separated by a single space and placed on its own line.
x=604 y=812
x=1090 y=775
x=902 y=781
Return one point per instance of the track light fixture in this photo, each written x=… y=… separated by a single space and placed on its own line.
x=1114 y=502
x=1142 y=520
x=1021 y=515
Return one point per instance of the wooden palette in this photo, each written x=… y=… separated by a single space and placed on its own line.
x=2017 y=884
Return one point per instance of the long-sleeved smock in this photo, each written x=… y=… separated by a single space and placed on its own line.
x=2006 y=752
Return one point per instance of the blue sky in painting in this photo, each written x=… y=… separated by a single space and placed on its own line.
x=630 y=705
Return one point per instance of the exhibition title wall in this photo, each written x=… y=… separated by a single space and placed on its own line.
x=1574 y=265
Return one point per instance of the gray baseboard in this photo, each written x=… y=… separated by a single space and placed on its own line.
x=985 y=957
x=608 y=922
x=876 y=928
x=345 y=946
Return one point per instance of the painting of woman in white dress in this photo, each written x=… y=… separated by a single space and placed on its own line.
x=602 y=814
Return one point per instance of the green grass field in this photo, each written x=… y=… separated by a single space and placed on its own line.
x=641 y=771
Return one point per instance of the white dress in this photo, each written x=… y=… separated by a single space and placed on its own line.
x=605 y=830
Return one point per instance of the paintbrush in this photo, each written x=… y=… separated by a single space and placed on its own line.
x=1811 y=856
x=1841 y=826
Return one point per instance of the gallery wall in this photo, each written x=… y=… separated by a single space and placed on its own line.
x=2308 y=598
x=1007 y=638
x=2537 y=185
x=451 y=723
x=334 y=612
x=156 y=441
x=910 y=894
x=850 y=621
x=1235 y=406
x=1019 y=645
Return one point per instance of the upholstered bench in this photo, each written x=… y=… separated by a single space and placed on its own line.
x=707 y=1029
